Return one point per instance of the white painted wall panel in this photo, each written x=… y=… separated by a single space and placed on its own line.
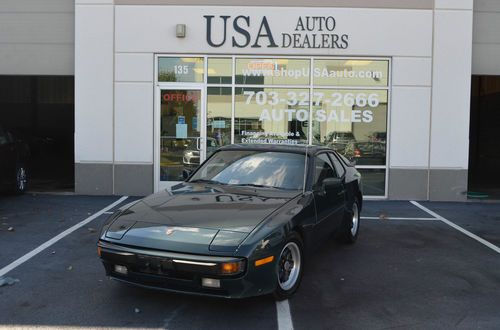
x=36 y=28
x=150 y=29
x=37 y=59
x=134 y=67
x=453 y=4
x=94 y=83
x=487 y=5
x=411 y=71
x=487 y=27
x=410 y=127
x=37 y=6
x=451 y=89
x=37 y=37
x=94 y=2
x=134 y=122
x=486 y=59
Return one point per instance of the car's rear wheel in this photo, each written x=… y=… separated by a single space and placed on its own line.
x=289 y=267
x=350 y=226
x=21 y=179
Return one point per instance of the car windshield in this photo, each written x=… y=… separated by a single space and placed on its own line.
x=281 y=170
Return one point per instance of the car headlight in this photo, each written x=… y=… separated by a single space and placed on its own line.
x=232 y=268
x=227 y=241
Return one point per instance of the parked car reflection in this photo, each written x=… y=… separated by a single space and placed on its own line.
x=366 y=153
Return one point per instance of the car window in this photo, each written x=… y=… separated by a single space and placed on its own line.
x=338 y=166
x=3 y=137
x=323 y=169
x=246 y=167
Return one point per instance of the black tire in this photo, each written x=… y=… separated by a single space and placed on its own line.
x=21 y=180
x=293 y=248
x=352 y=218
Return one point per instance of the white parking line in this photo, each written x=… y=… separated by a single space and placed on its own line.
x=399 y=218
x=55 y=239
x=457 y=227
x=284 y=315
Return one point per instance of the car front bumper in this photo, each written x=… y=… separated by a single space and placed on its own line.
x=183 y=273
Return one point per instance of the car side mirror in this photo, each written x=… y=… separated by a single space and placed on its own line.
x=331 y=182
x=186 y=174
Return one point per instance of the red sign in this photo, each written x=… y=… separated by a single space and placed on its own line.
x=179 y=97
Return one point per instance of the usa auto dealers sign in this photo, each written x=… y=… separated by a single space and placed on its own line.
x=241 y=31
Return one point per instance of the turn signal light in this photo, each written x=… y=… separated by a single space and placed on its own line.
x=230 y=267
x=264 y=261
x=99 y=251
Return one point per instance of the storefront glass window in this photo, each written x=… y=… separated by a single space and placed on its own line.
x=272 y=71
x=350 y=72
x=180 y=133
x=353 y=122
x=271 y=115
x=373 y=181
x=340 y=103
x=220 y=70
x=218 y=118
x=180 y=69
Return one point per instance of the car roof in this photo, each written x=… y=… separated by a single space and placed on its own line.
x=301 y=148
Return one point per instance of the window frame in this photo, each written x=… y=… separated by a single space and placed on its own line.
x=311 y=87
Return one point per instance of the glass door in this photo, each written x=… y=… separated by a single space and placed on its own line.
x=182 y=143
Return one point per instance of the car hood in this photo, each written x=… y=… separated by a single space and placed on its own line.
x=196 y=218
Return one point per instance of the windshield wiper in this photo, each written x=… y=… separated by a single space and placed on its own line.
x=258 y=186
x=207 y=181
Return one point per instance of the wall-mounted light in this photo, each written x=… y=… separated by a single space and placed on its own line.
x=180 y=30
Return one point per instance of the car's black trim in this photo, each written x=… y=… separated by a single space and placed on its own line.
x=167 y=263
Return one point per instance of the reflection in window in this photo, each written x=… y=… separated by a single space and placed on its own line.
x=373 y=181
x=220 y=70
x=353 y=122
x=242 y=167
x=350 y=72
x=272 y=71
x=323 y=170
x=218 y=118
x=180 y=69
x=271 y=115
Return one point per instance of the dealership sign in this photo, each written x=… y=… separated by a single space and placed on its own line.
x=311 y=32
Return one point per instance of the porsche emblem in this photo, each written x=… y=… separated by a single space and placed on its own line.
x=170 y=231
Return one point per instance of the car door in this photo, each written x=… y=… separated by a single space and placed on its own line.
x=7 y=158
x=329 y=195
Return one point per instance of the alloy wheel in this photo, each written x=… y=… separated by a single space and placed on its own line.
x=289 y=266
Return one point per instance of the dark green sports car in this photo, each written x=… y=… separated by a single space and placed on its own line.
x=239 y=226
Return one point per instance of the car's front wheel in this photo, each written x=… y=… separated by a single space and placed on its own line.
x=289 y=267
x=350 y=226
x=21 y=179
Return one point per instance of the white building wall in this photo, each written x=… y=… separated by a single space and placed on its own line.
x=410 y=111
x=94 y=81
x=431 y=59
x=151 y=29
x=486 y=38
x=451 y=88
x=134 y=108
x=134 y=122
x=37 y=37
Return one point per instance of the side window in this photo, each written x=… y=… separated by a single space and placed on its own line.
x=3 y=137
x=338 y=166
x=323 y=169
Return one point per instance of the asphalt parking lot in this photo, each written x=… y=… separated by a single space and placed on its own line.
x=411 y=268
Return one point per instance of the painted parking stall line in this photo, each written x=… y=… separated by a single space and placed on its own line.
x=284 y=315
x=399 y=218
x=457 y=227
x=57 y=238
